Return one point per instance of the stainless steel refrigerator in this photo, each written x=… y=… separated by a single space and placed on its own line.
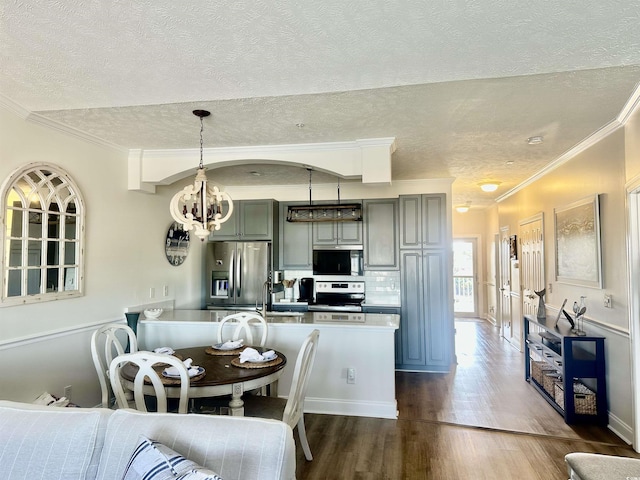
x=236 y=272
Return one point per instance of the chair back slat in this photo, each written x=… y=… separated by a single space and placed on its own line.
x=300 y=381
x=245 y=322
x=145 y=362
x=105 y=346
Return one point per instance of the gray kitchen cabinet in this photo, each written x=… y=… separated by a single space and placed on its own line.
x=337 y=233
x=426 y=325
x=381 y=237
x=295 y=242
x=422 y=221
x=251 y=220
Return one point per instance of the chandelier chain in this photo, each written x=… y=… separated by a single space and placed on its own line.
x=201 y=141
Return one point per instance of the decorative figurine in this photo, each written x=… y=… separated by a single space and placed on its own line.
x=542 y=314
x=580 y=310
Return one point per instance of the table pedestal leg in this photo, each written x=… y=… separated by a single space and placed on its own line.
x=236 y=404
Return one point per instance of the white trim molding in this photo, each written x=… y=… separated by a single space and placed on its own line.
x=369 y=159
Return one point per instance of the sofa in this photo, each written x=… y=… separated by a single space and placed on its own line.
x=594 y=466
x=96 y=443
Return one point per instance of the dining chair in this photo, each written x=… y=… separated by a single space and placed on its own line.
x=105 y=346
x=145 y=362
x=291 y=409
x=243 y=329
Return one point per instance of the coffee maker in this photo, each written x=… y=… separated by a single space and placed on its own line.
x=306 y=290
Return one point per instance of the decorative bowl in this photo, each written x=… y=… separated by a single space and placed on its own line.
x=153 y=312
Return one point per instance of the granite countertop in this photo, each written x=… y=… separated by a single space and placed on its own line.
x=290 y=318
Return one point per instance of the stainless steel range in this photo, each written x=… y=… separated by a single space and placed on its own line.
x=338 y=297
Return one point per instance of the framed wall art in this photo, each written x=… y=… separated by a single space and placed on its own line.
x=577 y=238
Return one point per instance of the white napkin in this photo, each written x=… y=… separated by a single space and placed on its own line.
x=173 y=371
x=252 y=355
x=165 y=350
x=232 y=345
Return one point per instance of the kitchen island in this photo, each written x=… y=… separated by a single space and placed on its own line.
x=358 y=341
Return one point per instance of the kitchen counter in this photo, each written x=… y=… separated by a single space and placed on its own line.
x=336 y=319
x=359 y=341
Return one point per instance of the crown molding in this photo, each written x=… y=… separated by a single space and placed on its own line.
x=14 y=107
x=74 y=132
x=629 y=108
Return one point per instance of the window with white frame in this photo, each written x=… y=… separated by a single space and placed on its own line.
x=43 y=236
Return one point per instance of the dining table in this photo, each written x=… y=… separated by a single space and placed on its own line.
x=223 y=375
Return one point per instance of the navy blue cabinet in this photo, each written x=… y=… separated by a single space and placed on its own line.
x=568 y=370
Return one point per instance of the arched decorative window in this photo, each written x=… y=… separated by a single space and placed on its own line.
x=42 y=249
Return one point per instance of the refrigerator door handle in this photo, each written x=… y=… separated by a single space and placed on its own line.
x=232 y=282
x=239 y=275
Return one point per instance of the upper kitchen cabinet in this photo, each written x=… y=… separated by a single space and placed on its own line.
x=337 y=233
x=251 y=220
x=295 y=242
x=381 y=237
x=422 y=221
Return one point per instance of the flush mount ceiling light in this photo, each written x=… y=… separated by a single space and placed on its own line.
x=200 y=207
x=489 y=186
x=463 y=208
x=537 y=140
x=348 y=212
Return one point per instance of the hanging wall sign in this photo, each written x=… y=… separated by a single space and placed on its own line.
x=177 y=244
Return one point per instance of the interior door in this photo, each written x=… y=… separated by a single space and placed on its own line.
x=505 y=284
x=532 y=275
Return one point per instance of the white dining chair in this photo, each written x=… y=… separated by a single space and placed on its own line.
x=291 y=409
x=145 y=362
x=245 y=323
x=106 y=344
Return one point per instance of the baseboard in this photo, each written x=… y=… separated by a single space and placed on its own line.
x=621 y=429
x=330 y=406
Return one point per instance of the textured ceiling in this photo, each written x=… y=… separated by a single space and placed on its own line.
x=460 y=84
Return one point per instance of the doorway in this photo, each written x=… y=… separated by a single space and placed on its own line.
x=465 y=277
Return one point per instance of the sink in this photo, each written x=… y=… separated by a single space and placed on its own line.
x=285 y=314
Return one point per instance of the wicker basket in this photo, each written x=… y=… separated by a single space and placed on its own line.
x=538 y=369
x=584 y=399
x=549 y=379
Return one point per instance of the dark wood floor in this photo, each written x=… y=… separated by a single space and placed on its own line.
x=481 y=421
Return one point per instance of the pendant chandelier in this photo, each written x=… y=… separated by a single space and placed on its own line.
x=200 y=207
x=345 y=212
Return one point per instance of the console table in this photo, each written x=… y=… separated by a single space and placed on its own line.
x=573 y=369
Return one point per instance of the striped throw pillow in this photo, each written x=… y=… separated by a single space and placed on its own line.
x=154 y=461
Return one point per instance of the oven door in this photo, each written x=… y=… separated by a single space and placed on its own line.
x=334 y=308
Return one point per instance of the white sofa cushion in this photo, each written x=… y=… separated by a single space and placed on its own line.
x=154 y=461
x=234 y=447
x=50 y=442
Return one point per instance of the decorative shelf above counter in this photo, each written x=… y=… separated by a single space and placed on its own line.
x=559 y=361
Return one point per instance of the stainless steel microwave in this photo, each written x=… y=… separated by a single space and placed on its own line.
x=345 y=260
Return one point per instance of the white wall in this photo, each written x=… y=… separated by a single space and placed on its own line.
x=124 y=258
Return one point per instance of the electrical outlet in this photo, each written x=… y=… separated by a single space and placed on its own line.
x=67 y=392
x=351 y=375
x=152 y=292
x=608 y=303
x=165 y=291
x=550 y=288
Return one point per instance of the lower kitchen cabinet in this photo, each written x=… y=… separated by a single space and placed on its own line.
x=426 y=326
